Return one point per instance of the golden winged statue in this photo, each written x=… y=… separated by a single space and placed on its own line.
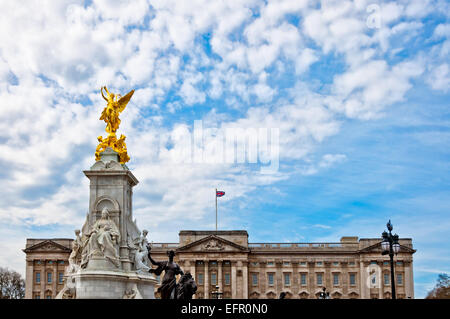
x=110 y=114
x=116 y=104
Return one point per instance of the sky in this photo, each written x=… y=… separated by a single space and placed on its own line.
x=356 y=94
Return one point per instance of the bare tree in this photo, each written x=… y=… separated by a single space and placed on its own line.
x=442 y=288
x=12 y=285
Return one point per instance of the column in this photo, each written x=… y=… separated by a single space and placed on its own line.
x=409 y=280
x=206 y=275
x=186 y=265
x=327 y=276
x=262 y=279
x=219 y=275
x=55 y=279
x=233 y=280
x=364 y=290
x=193 y=264
x=43 y=277
x=344 y=280
x=29 y=284
x=295 y=281
x=278 y=277
x=311 y=280
x=245 y=280
x=380 y=279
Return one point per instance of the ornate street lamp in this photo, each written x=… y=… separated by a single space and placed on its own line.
x=217 y=294
x=324 y=294
x=390 y=246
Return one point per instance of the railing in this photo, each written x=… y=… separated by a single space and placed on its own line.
x=302 y=245
x=273 y=245
x=165 y=245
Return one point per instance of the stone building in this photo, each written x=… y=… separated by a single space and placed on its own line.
x=46 y=261
x=351 y=268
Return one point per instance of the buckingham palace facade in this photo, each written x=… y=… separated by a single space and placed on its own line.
x=225 y=262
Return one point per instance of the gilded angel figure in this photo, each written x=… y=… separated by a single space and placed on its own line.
x=115 y=105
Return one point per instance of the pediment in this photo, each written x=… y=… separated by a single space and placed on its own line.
x=377 y=248
x=47 y=246
x=213 y=243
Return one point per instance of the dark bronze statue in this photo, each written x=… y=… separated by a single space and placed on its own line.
x=186 y=287
x=169 y=288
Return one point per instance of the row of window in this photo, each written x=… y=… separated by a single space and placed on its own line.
x=271 y=263
x=320 y=263
x=49 y=277
x=200 y=279
x=319 y=279
x=39 y=297
x=303 y=279
x=387 y=279
x=50 y=262
x=270 y=279
x=386 y=263
x=213 y=263
x=302 y=263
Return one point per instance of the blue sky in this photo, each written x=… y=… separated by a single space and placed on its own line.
x=359 y=91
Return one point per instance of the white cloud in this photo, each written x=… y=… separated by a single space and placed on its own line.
x=442 y=30
x=364 y=91
x=55 y=56
x=327 y=161
x=305 y=59
x=439 y=79
x=188 y=90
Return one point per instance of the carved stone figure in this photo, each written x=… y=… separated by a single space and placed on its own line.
x=103 y=240
x=75 y=255
x=141 y=260
x=171 y=269
x=141 y=242
x=213 y=245
x=69 y=293
x=130 y=294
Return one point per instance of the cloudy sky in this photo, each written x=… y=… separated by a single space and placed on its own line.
x=359 y=91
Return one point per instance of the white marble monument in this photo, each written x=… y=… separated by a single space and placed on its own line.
x=109 y=259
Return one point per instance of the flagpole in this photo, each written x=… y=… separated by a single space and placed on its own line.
x=216 y=208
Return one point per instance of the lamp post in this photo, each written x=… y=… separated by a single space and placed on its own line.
x=217 y=294
x=390 y=246
x=324 y=294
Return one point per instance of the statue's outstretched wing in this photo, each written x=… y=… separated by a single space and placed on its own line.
x=124 y=101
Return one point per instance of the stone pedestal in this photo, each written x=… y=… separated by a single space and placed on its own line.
x=111 y=186
x=101 y=284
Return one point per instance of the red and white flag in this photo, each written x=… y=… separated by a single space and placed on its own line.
x=220 y=193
